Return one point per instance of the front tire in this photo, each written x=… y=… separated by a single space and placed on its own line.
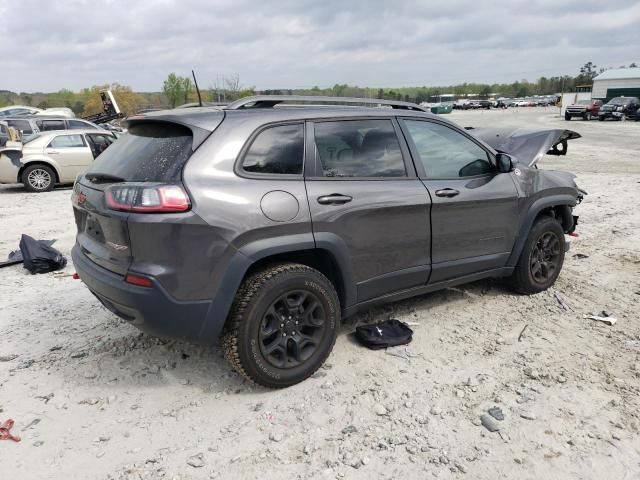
x=38 y=178
x=282 y=326
x=567 y=117
x=541 y=258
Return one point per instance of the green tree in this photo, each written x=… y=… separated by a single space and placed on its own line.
x=485 y=91
x=172 y=87
x=186 y=87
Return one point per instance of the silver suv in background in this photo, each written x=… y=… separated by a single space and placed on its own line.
x=30 y=126
x=266 y=224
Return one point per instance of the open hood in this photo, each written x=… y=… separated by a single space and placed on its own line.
x=528 y=145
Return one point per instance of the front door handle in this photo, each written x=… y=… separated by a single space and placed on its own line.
x=52 y=152
x=334 y=199
x=447 y=192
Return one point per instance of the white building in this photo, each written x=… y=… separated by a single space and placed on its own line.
x=617 y=82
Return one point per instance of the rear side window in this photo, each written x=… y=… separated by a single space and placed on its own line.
x=47 y=125
x=148 y=152
x=67 y=141
x=22 y=125
x=276 y=150
x=359 y=148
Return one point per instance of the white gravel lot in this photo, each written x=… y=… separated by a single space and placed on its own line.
x=95 y=399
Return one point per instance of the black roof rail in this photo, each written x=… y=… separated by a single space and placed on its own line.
x=270 y=101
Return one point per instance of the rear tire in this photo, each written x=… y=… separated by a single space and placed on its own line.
x=541 y=259
x=601 y=118
x=282 y=326
x=38 y=178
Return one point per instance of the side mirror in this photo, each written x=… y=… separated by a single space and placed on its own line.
x=504 y=163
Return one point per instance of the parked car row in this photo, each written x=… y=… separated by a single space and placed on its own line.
x=468 y=104
x=618 y=108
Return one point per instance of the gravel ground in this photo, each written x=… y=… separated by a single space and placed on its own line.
x=95 y=399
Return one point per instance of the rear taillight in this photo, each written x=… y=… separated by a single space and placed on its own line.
x=147 y=199
x=138 y=280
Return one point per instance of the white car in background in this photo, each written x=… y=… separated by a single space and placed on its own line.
x=18 y=110
x=63 y=112
x=51 y=158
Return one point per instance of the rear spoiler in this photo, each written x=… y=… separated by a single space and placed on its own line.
x=201 y=121
x=528 y=145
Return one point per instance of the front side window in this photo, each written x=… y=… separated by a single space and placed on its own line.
x=78 y=124
x=98 y=143
x=48 y=125
x=446 y=153
x=359 y=148
x=67 y=141
x=276 y=150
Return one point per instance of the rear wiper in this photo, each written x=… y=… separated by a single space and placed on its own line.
x=104 y=178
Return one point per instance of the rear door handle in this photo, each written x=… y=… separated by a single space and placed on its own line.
x=334 y=199
x=447 y=192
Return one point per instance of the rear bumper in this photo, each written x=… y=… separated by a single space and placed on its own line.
x=152 y=310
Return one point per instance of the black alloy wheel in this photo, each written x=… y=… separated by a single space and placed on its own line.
x=545 y=257
x=292 y=328
x=542 y=257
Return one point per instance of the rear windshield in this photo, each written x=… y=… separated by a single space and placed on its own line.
x=148 y=152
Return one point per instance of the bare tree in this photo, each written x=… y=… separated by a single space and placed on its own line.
x=232 y=84
x=226 y=88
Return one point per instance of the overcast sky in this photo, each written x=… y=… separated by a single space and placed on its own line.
x=49 y=45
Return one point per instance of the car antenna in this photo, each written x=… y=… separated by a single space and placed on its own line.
x=197 y=89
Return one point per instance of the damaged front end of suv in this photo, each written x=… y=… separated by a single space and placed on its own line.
x=526 y=146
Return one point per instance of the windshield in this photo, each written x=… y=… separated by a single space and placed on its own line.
x=619 y=101
x=30 y=139
x=148 y=152
x=583 y=102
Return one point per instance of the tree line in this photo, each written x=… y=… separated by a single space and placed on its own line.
x=177 y=90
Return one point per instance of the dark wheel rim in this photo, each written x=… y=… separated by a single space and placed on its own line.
x=292 y=329
x=545 y=257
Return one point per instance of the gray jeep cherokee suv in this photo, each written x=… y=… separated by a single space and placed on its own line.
x=266 y=224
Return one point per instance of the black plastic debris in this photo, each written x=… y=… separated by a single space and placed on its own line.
x=389 y=333
x=14 y=258
x=39 y=256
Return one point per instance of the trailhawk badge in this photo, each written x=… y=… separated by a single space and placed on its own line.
x=117 y=246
